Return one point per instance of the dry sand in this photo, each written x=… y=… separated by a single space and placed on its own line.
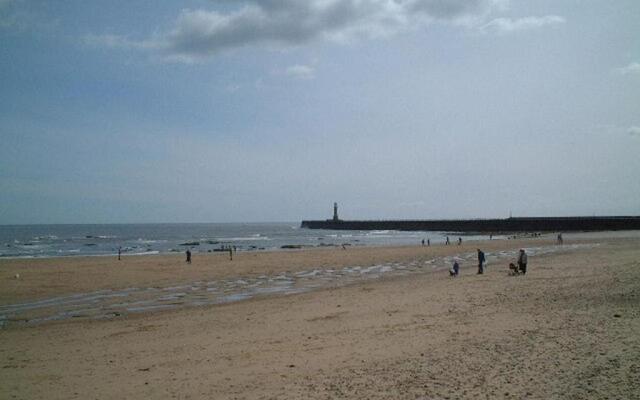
x=569 y=329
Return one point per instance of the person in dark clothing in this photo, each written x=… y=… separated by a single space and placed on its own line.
x=455 y=270
x=522 y=261
x=459 y=241
x=447 y=241
x=119 y=252
x=481 y=260
x=188 y=256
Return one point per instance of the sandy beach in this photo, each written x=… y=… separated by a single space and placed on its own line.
x=566 y=330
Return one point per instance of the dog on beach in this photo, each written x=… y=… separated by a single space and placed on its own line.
x=513 y=269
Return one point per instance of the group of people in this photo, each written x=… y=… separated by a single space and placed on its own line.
x=230 y=249
x=521 y=268
x=446 y=241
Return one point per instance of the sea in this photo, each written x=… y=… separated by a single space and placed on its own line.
x=30 y=241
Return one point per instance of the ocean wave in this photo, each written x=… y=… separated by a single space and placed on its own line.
x=382 y=236
x=243 y=239
x=146 y=253
x=45 y=237
x=32 y=246
x=150 y=241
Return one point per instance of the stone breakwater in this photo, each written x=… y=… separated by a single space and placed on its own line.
x=530 y=224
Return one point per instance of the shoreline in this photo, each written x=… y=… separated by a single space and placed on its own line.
x=42 y=277
x=477 y=238
x=47 y=276
x=104 y=240
x=281 y=248
x=112 y=303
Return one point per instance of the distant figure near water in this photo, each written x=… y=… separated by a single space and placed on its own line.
x=428 y=242
x=447 y=241
x=481 y=261
x=459 y=241
x=188 y=252
x=560 y=241
x=119 y=252
x=423 y=242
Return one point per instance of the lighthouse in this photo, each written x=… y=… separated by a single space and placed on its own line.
x=335 y=211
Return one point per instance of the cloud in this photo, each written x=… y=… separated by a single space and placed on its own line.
x=116 y=41
x=464 y=11
x=631 y=69
x=302 y=72
x=199 y=34
x=506 y=25
x=634 y=131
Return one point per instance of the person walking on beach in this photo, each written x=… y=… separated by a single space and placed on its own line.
x=119 y=252
x=560 y=238
x=428 y=242
x=422 y=242
x=522 y=261
x=188 y=256
x=447 y=241
x=459 y=241
x=481 y=260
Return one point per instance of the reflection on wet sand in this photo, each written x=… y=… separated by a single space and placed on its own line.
x=115 y=303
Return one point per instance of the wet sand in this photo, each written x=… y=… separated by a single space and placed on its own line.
x=568 y=329
x=47 y=277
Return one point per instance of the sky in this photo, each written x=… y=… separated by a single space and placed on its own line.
x=266 y=110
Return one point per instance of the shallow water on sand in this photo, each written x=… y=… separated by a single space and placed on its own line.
x=106 y=304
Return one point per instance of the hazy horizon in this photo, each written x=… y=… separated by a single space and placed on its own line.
x=297 y=222
x=259 y=111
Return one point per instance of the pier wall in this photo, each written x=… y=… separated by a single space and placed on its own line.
x=530 y=224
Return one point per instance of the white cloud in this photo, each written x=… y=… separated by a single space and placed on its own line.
x=199 y=34
x=631 y=69
x=506 y=25
x=301 y=72
x=634 y=131
x=114 y=41
x=118 y=41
